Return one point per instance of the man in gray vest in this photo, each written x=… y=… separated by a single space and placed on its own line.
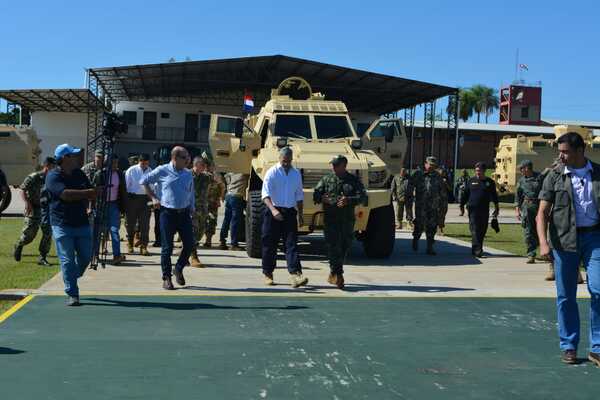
x=569 y=212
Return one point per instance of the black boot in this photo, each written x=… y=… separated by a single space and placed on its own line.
x=430 y=250
x=42 y=261
x=17 y=252
x=415 y=244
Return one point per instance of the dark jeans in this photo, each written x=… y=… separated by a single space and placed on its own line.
x=272 y=231
x=157 y=225
x=478 y=224
x=234 y=207
x=138 y=216
x=172 y=221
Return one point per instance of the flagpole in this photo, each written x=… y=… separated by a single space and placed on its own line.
x=517 y=65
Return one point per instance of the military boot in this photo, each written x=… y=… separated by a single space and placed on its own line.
x=42 y=261
x=430 y=250
x=130 y=249
x=195 y=261
x=208 y=242
x=144 y=250
x=530 y=260
x=550 y=274
x=399 y=224
x=17 y=252
x=579 y=277
x=415 y=244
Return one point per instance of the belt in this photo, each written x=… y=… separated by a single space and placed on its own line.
x=531 y=201
x=135 y=194
x=285 y=208
x=585 y=229
x=176 y=210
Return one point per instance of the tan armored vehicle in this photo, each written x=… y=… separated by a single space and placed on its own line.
x=542 y=152
x=19 y=156
x=316 y=129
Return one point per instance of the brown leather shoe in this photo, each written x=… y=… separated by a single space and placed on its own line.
x=235 y=247
x=144 y=250
x=339 y=282
x=595 y=358
x=179 y=276
x=579 y=278
x=269 y=279
x=168 y=284
x=223 y=246
x=332 y=278
x=569 y=357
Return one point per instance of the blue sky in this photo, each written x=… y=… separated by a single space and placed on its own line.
x=48 y=44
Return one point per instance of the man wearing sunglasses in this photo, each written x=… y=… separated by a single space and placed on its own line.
x=177 y=205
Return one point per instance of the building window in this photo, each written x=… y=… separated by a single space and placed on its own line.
x=130 y=117
x=165 y=115
x=525 y=112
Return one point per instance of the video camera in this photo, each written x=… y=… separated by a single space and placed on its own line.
x=113 y=125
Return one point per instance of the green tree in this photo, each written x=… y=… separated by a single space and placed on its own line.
x=467 y=104
x=485 y=100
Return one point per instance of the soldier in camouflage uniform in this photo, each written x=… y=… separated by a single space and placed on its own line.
x=527 y=204
x=201 y=181
x=402 y=193
x=216 y=194
x=443 y=200
x=461 y=186
x=428 y=188
x=92 y=167
x=32 y=188
x=339 y=192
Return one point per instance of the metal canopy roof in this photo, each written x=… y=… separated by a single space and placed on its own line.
x=223 y=82
x=65 y=100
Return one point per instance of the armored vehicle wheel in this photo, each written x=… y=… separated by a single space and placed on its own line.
x=254 y=211
x=5 y=198
x=381 y=234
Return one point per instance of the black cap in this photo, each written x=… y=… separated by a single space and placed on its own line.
x=144 y=157
x=338 y=160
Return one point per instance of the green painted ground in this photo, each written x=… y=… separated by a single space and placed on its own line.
x=284 y=348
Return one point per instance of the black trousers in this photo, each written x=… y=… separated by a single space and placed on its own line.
x=157 y=225
x=138 y=216
x=272 y=232
x=478 y=224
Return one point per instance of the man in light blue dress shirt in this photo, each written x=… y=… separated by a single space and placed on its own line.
x=176 y=209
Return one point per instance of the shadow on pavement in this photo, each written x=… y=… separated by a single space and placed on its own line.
x=8 y=351
x=93 y=301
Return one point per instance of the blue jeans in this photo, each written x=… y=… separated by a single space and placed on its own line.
x=233 y=215
x=74 y=250
x=566 y=265
x=172 y=221
x=114 y=223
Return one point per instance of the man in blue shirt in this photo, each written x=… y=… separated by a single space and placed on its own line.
x=176 y=209
x=69 y=192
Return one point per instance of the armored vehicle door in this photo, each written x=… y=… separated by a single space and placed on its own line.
x=232 y=144
x=387 y=139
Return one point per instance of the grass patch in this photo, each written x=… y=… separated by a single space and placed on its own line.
x=6 y=304
x=25 y=274
x=510 y=238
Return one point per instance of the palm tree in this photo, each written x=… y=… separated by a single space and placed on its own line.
x=485 y=100
x=466 y=104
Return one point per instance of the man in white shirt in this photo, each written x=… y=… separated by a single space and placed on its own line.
x=138 y=211
x=283 y=196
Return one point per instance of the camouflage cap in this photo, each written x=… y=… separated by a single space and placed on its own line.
x=432 y=160
x=99 y=153
x=525 y=163
x=338 y=160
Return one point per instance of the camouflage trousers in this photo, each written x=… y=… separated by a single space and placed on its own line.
x=528 y=214
x=339 y=233
x=401 y=206
x=211 y=220
x=199 y=224
x=426 y=220
x=31 y=224
x=442 y=214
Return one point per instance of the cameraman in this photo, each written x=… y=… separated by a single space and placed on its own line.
x=69 y=192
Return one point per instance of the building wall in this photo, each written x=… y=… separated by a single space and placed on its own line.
x=55 y=128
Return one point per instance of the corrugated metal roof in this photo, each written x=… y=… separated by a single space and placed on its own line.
x=587 y=124
x=64 y=100
x=496 y=128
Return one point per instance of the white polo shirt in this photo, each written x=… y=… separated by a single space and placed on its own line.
x=284 y=189
x=133 y=176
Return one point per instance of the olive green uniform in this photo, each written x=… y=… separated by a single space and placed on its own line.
x=201 y=183
x=216 y=189
x=526 y=199
x=339 y=221
x=32 y=186
x=402 y=193
x=443 y=202
x=428 y=201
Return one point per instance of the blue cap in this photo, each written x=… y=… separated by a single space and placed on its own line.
x=64 y=150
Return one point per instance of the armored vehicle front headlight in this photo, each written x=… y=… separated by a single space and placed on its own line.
x=356 y=144
x=377 y=178
x=282 y=142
